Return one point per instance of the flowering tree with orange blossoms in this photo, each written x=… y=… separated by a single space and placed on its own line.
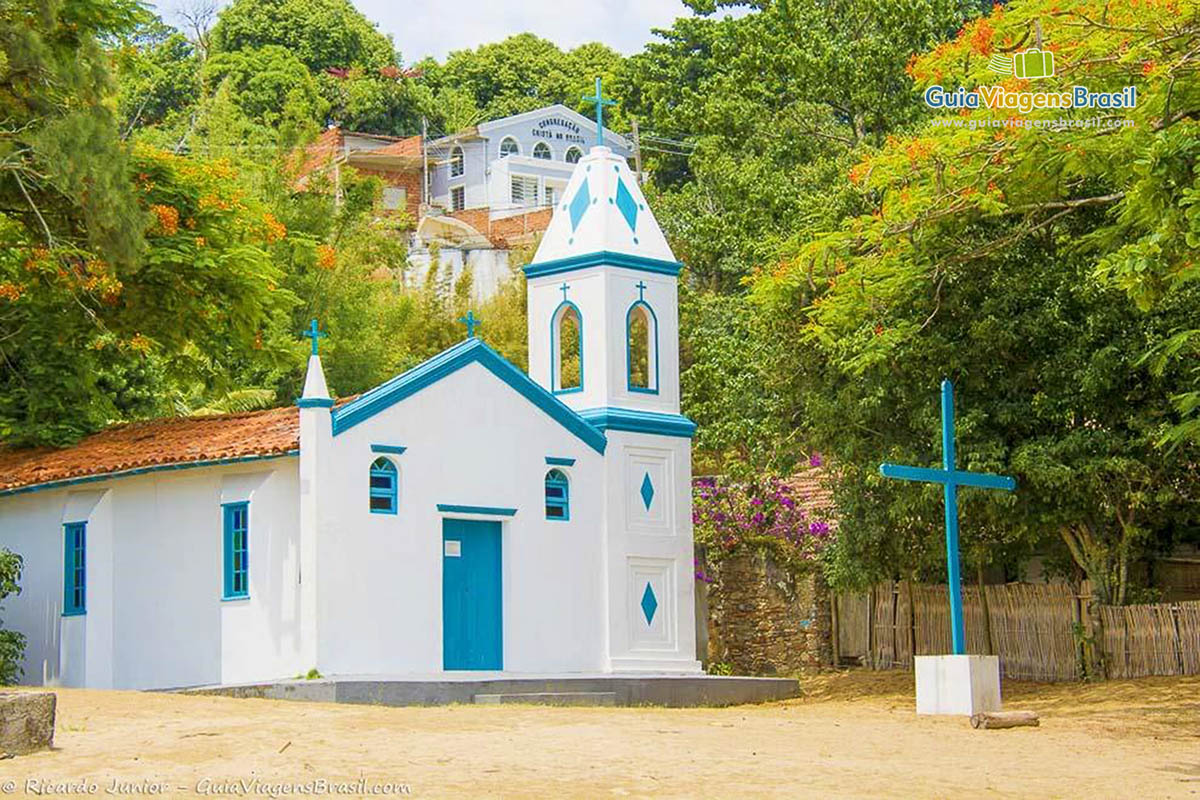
x=1043 y=258
x=87 y=340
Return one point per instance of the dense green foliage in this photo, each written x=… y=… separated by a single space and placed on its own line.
x=518 y=74
x=772 y=104
x=1000 y=257
x=321 y=34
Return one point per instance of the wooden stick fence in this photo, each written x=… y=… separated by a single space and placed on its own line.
x=1038 y=631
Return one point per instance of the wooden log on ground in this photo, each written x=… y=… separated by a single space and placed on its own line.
x=1005 y=719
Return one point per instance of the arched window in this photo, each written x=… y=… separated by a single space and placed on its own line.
x=641 y=336
x=566 y=352
x=384 y=486
x=509 y=147
x=558 y=496
x=457 y=162
x=541 y=150
x=573 y=155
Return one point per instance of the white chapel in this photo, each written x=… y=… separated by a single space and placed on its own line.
x=463 y=516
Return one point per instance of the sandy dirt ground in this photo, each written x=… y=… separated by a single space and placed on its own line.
x=852 y=735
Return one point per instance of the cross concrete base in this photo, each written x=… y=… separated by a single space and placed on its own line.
x=965 y=685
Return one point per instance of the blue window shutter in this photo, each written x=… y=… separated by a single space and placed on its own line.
x=236 y=583
x=558 y=496
x=75 y=568
x=384 y=487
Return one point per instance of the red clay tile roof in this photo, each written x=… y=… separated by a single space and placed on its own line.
x=155 y=443
x=812 y=491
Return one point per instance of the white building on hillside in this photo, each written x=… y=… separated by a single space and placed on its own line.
x=462 y=516
x=516 y=163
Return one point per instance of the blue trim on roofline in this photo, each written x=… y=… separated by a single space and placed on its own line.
x=448 y=508
x=626 y=419
x=449 y=361
x=603 y=258
x=555 y=461
x=125 y=473
x=394 y=449
x=314 y=402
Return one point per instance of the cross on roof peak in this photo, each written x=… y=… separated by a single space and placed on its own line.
x=316 y=336
x=600 y=102
x=471 y=321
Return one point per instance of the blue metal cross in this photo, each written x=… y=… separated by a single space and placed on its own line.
x=315 y=335
x=641 y=287
x=951 y=478
x=564 y=288
x=471 y=321
x=600 y=102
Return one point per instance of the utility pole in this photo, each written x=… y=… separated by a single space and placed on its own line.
x=637 y=151
x=424 y=161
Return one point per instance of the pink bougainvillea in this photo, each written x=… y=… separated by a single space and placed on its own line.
x=765 y=514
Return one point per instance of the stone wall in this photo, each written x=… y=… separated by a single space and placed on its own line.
x=764 y=621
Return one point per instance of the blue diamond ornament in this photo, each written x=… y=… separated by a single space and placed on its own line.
x=579 y=206
x=649 y=603
x=647 y=491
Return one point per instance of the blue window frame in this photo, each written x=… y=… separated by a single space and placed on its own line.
x=384 y=485
x=237 y=550
x=558 y=496
x=74 y=568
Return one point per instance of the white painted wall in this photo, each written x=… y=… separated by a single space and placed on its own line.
x=154 y=547
x=489 y=268
x=471 y=440
x=604 y=295
x=650 y=546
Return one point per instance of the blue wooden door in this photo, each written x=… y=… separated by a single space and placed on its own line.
x=472 y=618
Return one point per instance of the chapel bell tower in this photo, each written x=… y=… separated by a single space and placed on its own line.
x=604 y=339
x=603 y=296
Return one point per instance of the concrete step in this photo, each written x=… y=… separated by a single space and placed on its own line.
x=550 y=698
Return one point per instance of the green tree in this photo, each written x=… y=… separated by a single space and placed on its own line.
x=12 y=644
x=391 y=104
x=994 y=255
x=157 y=75
x=263 y=82
x=522 y=73
x=322 y=34
x=731 y=389
x=769 y=107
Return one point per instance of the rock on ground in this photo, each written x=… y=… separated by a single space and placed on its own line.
x=26 y=722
